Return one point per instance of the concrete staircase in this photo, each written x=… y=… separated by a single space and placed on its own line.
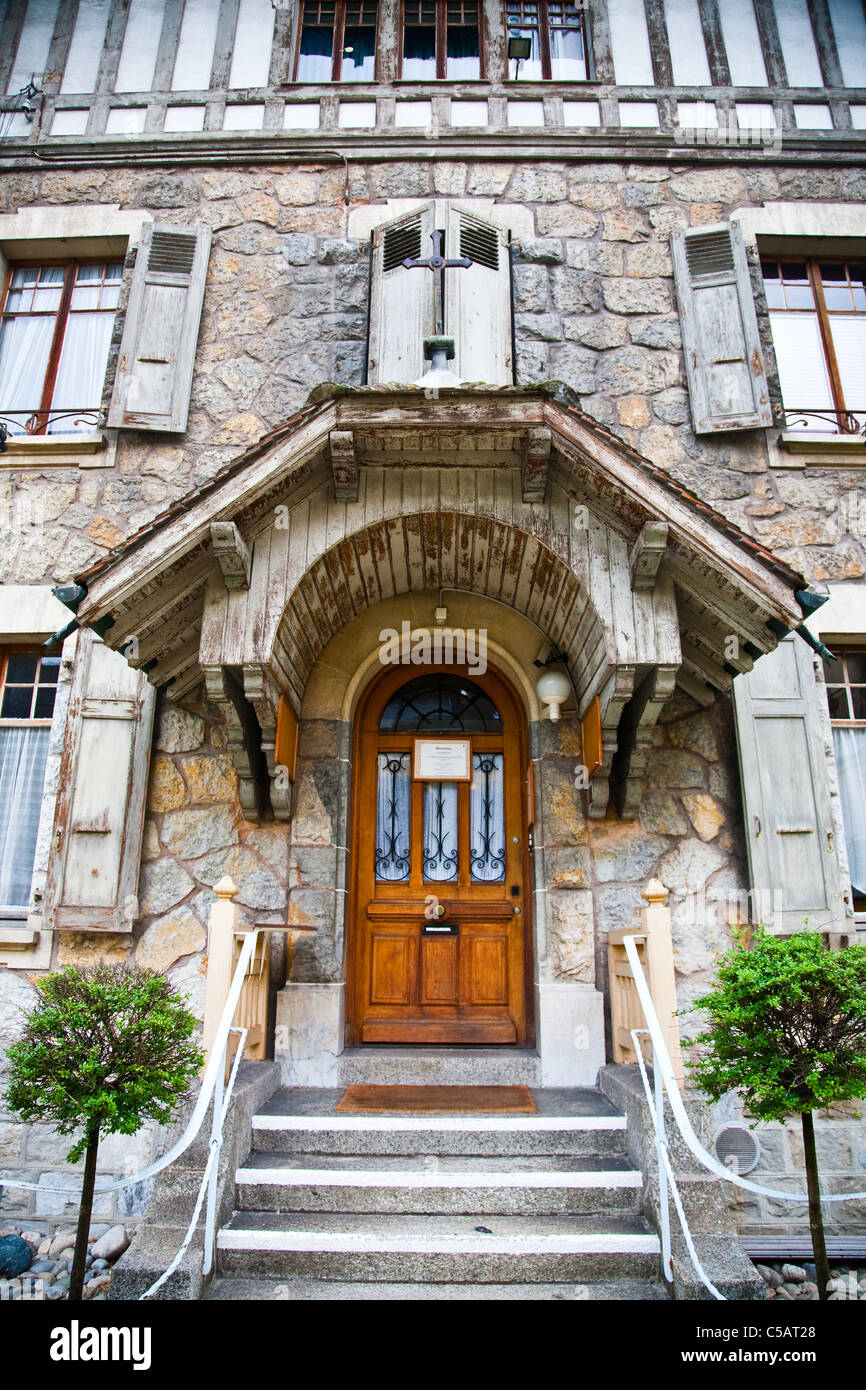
x=543 y=1206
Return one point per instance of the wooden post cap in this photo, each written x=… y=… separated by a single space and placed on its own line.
x=226 y=888
x=655 y=892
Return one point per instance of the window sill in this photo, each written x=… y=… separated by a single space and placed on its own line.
x=17 y=936
x=807 y=442
x=59 y=450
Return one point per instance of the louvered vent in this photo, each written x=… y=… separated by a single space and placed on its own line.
x=172 y=253
x=481 y=244
x=399 y=243
x=738 y=1148
x=709 y=254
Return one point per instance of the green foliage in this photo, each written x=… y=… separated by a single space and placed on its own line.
x=787 y=1025
x=108 y=1046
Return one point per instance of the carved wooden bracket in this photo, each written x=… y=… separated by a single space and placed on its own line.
x=344 y=465
x=232 y=553
x=613 y=700
x=536 y=460
x=635 y=736
x=263 y=695
x=646 y=554
x=224 y=689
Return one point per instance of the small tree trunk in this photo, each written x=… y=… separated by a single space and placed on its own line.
x=816 y=1219
x=76 y=1282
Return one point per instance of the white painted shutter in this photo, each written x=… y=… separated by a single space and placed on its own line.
x=401 y=300
x=478 y=300
x=724 y=362
x=157 y=350
x=99 y=823
x=783 y=751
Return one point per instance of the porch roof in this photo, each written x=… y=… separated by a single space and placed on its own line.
x=153 y=586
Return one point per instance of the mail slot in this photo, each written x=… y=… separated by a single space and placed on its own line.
x=439 y=929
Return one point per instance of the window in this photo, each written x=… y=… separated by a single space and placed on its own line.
x=54 y=339
x=441 y=38
x=338 y=41
x=28 y=685
x=818 y=315
x=443 y=704
x=555 y=31
x=846 y=695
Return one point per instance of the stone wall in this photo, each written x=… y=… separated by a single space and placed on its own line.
x=840 y=1140
x=194 y=834
x=286 y=306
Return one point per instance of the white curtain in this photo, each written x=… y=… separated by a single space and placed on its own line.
x=487 y=818
x=392 y=818
x=24 y=347
x=81 y=368
x=22 y=774
x=850 y=746
x=440 y=832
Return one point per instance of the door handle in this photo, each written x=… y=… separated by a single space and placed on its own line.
x=433 y=909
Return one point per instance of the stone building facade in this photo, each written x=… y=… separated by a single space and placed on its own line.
x=288 y=188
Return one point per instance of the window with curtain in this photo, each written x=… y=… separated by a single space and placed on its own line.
x=818 y=316
x=846 y=695
x=555 y=32
x=441 y=38
x=28 y=686
x=54 y=340
x=337 y=41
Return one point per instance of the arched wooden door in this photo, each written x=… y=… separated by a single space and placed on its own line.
x=439 y=814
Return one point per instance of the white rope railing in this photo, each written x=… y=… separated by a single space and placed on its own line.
x=665 y=1081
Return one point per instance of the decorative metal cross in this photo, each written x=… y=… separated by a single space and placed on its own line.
x=438 y=264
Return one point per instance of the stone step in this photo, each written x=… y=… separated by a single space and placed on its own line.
x=238 y=1290
x=484 y=1249
x=391 y=1135
x=438 y=1066
x=288 y=1188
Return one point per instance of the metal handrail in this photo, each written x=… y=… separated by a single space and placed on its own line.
x=212 y=1087
x=664 y=1080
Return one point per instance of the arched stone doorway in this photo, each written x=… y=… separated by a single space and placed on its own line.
x=439 y=920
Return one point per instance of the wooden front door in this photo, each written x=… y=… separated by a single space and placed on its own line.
x=458 y=974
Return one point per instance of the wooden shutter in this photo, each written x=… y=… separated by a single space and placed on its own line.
x=401 y=300
x=478 y=300
x=98 y=827
x=782 y=738
x=724 y=362
x=157 y=351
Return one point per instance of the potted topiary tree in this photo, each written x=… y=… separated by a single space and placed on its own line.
x=787 y=1029
x=104 y=1049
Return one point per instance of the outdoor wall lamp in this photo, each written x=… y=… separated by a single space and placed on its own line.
x=553 y=689
x=519 y=48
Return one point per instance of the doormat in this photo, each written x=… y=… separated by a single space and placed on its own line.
x=436 y=1100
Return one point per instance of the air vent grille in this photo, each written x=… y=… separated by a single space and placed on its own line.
x=479 y=243
x=738 y=1148
x=172 y=253
x=709 y=254
x=399 y=243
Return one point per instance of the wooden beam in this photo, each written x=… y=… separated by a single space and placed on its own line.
x=344 y=465
x=698 y=690
x=536 y=461
x=232 y=552
x=646 y=554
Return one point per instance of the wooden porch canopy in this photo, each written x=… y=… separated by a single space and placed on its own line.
x=513 y=493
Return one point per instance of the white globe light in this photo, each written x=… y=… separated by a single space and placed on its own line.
x=553 y=688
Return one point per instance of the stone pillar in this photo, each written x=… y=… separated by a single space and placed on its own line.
x=311 y=1010
x=569 y=1008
